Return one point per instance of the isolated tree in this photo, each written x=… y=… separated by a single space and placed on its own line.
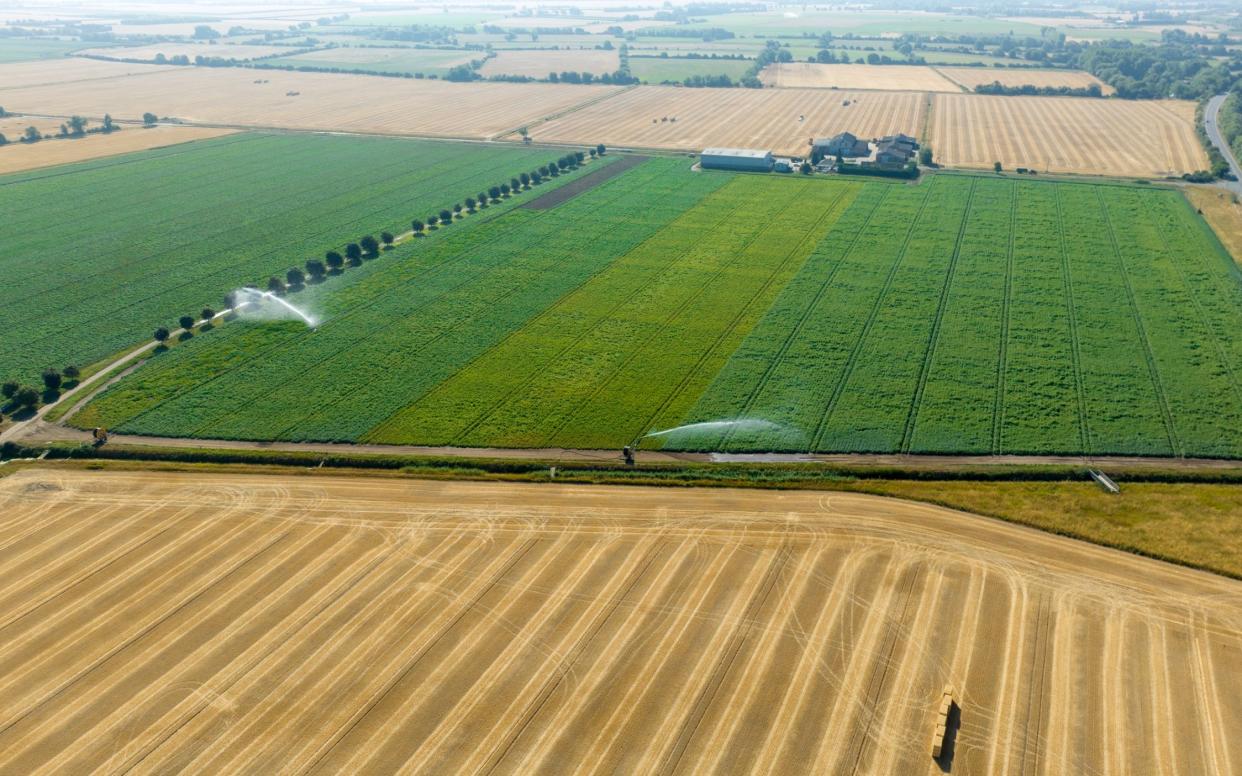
x=504 y=189
x=334 y=259
x=386 y=238
x=494 y=193
x=26 y=397
x=230 y=300
x=579 y=156
x=996 y=166
x=524 y=179
x=9 y=388
x=32 y=135
x=805 y=169
x=515 y=185
x=432 y=220
x=77 y=126
x=186 y=321
x=108 y=125
x=354 y=253
x=446 y=216
x=275 y=285
x=592 y=152
x=554 y=170
x=562 y=164
x=207 y=314
x=295 y=277
x=482 y=199
x=536 y=178
x=370 y=246
x=72 y=373
x=316 y=269
x=470 y=203
x=149 y=119
x=600 y=149
x=418 y=226
x=161 y=334
x=52 y=379
x=925 y=156
x=457 y=209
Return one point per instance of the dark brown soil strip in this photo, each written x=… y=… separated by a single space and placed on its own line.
x=585 y=183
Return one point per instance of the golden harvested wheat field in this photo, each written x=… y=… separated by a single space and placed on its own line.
x=17 y=75
x=905 y=78
x=213 y=623
x=237 y=51
x=783 y=120
x=313 y=101
x=19 y=156
x=538 y=63
x=1067 y=134
x=970 y=77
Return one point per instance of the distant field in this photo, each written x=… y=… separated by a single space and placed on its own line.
x=1224 y=214
x=16 y=75
x=216 y=215
x=240 y=52
x=657 y=70
x=783 y=120
x=538 y=63
x=971 y=77
x=25 y=49
x=384 y=60
x=795 y=23
x=1067 y=134
x=18 y=156
x=295 y=100
x=964 y=314
x=906 y=78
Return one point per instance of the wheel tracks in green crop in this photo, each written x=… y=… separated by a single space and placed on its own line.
x=998 y=402
x=779 y=357
x=1075 y=348
x=706 y=285
x=1166 y=413
x=832 y=210
x=933 y=338
x=573 y=343
x=817 y=436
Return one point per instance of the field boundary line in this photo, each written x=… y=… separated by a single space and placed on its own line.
x=793 y=334
x=702 y=289
x=951 y=79
x=564 y=112
x=998 y=401
x=933 y=338
x=681 y=386
x=1157 y=383
x=848 y=368
x=1075 y=348
x=654 y=278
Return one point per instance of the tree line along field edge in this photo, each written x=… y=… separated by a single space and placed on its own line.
x=968 y=314
x=217 y=214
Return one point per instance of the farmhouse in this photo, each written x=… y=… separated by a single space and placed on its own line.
x=895 y=149
x=844 y=144
x=745 y=159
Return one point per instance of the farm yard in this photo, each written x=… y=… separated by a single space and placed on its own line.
x=904 y=78
x=971 y=77
x=538 y=63
x=965 y=314
x=692 y=119
x=225 y=622
x=217 y=214
x=314 y=101
x=18 y=157
x=1067 y=135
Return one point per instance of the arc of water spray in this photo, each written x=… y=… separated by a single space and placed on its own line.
x=258 y=295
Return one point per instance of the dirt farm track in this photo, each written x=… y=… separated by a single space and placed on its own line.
x=213 y=623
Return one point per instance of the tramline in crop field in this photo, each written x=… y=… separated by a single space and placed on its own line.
x=964 y=314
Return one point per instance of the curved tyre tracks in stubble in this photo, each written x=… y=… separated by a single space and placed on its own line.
x=230 y=623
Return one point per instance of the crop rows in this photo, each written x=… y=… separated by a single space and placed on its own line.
x=84 y=277
x=596 y=369
x=402 y=326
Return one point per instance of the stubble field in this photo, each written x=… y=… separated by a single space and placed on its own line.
x=1067 y=135
x=17 y=75
x=782 y=120
x=19 y=157
x=213 y=623
x=904 y=78
x=970 y=77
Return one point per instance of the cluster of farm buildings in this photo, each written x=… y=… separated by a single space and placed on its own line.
x=891 y=152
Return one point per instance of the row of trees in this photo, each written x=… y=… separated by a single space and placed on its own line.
x=19 y=398
x=75 y=127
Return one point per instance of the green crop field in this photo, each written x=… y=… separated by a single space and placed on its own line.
x=26 y=49
x=654 y=70
x=963 y=314
x=374 y=59
x=84 y=278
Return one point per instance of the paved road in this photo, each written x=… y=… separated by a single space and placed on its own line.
x=1213 y=132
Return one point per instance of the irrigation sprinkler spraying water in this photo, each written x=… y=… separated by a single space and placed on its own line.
x=254 y=296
